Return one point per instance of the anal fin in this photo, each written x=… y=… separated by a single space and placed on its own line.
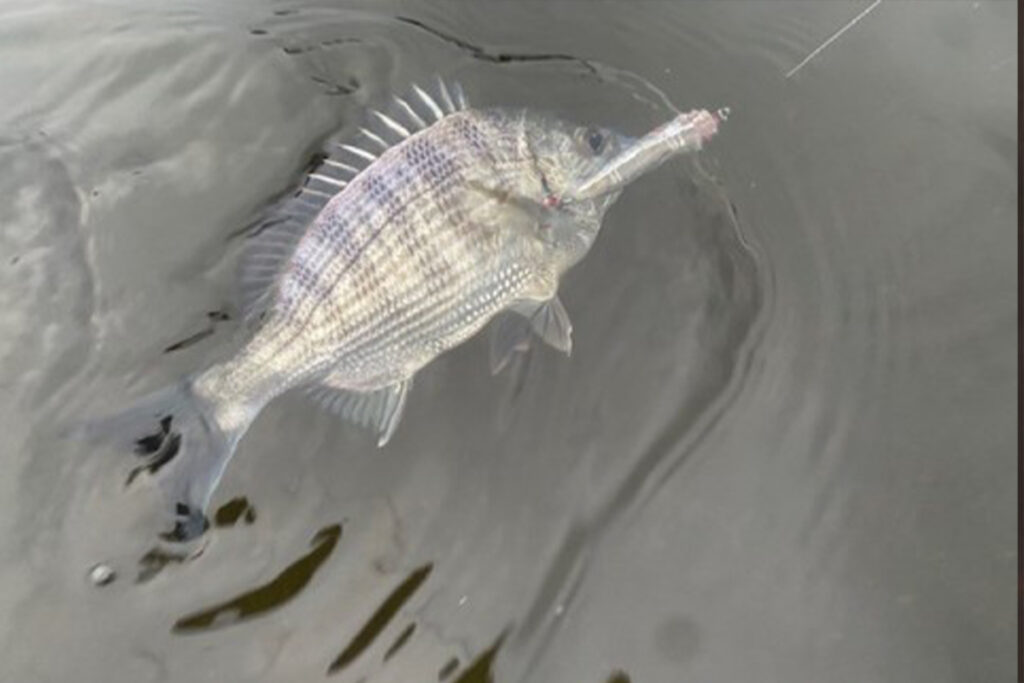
x=380 y=409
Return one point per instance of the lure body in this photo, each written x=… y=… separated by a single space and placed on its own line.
x=686 y=133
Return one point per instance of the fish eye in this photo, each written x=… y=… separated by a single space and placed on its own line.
x=595 y=139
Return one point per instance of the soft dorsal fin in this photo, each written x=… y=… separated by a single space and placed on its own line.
x=271 y=239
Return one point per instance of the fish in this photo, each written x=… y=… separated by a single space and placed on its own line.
x=440 y=218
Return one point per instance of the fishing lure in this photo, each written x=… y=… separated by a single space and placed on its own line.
x=686 y=133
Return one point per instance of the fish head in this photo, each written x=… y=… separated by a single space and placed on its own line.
x=562 y=153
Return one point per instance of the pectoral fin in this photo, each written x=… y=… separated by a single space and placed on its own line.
x=379 y=410
x=550 y=322
x=512 y=333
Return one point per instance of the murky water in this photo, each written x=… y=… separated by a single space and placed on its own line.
x=782 y=449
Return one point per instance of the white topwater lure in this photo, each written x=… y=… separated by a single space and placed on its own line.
x=686 y=133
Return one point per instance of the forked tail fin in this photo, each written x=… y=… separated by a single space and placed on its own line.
x=182 y=448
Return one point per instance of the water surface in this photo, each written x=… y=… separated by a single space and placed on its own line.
x=783 y=446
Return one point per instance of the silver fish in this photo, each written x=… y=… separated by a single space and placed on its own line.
x=393 y=251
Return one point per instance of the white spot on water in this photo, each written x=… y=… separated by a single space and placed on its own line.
x=102 y=574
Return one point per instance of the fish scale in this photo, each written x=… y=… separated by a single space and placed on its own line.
x=418 y=190
x=364 y=276
x=409 y=203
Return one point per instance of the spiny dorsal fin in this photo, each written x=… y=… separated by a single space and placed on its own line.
x=272 y=238
x=427 y=100
x=421 y=109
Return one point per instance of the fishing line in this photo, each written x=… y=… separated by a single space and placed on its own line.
x=833 y=38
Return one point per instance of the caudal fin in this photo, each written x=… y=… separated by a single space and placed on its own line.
x=181 y=448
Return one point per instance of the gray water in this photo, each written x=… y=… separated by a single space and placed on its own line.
x=783 y=448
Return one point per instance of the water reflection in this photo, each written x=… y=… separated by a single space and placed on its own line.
x=481 y=669
x=380 y=619
x=270 y=595
x=213 y=318
x=235 y=509
x=158 y=558
x=400 y=641
x=450 y=667
x=155 y=560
